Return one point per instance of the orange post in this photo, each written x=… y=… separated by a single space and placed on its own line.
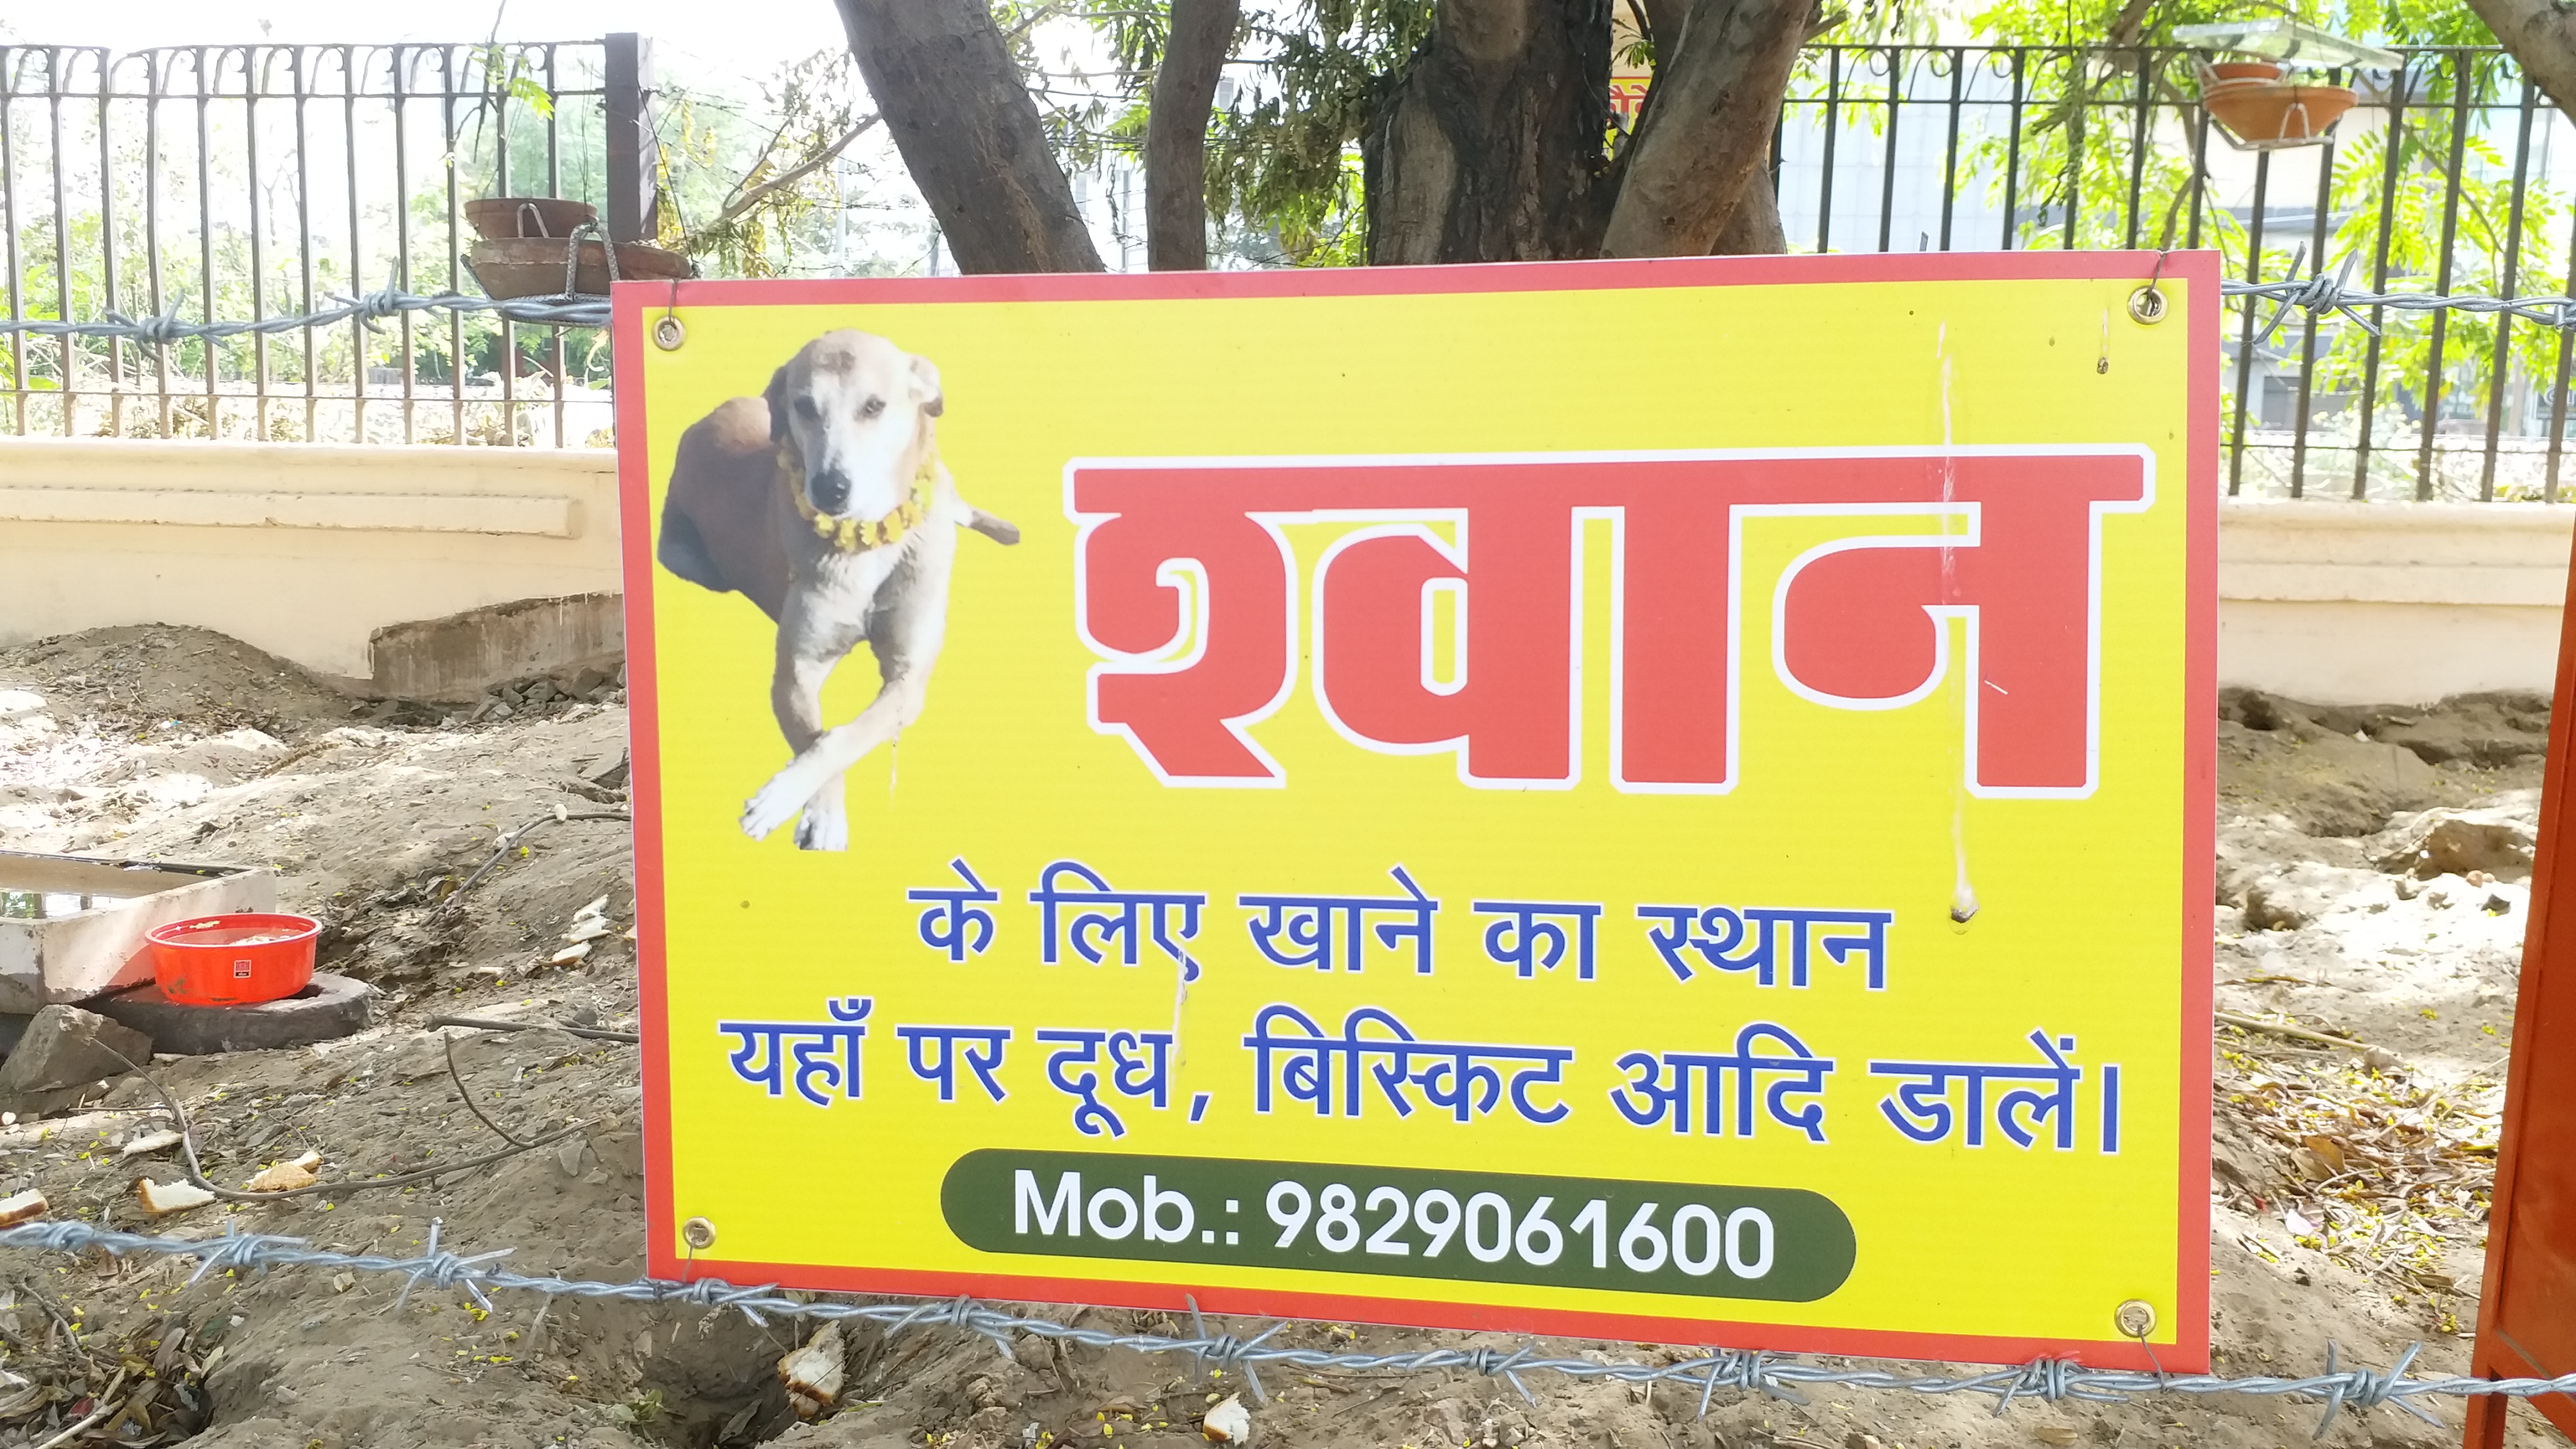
x=2527 y=1314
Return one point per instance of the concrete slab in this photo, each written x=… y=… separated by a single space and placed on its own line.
x=333 y=1006
x=72 y=927
x=459 y=657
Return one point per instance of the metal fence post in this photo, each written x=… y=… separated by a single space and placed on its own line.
x=633 y=155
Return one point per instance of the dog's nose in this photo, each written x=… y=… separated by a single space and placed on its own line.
x=830 y=491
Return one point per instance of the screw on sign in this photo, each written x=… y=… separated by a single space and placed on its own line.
x=2524 y=1325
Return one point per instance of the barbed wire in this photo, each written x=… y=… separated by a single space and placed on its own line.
x=370 y=308
x=2315 y=295
x=2321 y=294
x=1776 y=1375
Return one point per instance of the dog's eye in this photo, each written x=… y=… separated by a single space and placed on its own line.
x=872 y=407
x=806 y=409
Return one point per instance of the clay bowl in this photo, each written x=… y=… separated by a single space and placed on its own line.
x=2246 y=70
x=528 y=216
x=534 y=266
x=2276 y=112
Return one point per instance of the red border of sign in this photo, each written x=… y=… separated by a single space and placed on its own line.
x=2536 y=1126
x=634 y=302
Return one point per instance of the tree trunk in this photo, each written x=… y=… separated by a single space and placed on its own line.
x=969 y=134
x=1663 y=22
x=1706 y=133
x=2542 y=37
x=1753 y=228
x=1488 y=147
x=1176 y=218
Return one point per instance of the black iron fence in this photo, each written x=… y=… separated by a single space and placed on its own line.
x=246 y=181
x=225 y=182
x=2451 y=175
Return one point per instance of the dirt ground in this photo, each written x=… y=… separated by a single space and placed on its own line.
x=2373 y=869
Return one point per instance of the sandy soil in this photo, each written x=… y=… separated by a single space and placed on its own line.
x=2372 y=884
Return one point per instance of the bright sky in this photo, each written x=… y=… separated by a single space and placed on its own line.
x=710 y=44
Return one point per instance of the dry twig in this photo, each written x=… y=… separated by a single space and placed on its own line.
x=346 y=1185
x=467 y=1097
x=510 y=840
x=2294 y=1033
x=481 y=1023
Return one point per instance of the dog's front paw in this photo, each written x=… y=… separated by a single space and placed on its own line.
x=820 y=829
x=773 y=807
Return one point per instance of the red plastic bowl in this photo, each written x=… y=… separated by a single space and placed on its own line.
x=236 y=960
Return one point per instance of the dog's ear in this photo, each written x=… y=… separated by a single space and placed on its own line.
x=777 y=397
x=925 y=386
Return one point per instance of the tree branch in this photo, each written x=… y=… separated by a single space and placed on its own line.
x=969 y=133
x=2131 y=22
x=745 y=201
x=1176 y=133
x=1708 y=130
x=2542 y=37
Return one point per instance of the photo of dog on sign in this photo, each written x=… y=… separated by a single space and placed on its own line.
x=824 y=502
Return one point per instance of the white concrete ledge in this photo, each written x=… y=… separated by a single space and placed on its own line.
x=290 y=467
x=2394 y=583
x=303 y=550
x=2333 y=602
x=2391 y=603
x=384 y=512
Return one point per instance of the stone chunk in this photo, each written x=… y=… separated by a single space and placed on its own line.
x=65 y=1046
x=2289 y=899
x=333 y=1006
x=2440 y=842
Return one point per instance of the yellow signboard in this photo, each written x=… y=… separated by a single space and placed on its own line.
x=1343 y=802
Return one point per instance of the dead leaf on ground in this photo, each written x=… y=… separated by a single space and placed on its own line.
x=2328 y=1150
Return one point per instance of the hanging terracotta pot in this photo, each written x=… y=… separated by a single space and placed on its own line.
x=497 y=217
x=2276 y=113
x=534 y=266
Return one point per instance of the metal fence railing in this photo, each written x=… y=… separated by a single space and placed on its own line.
x=245 y=182
x=216 y=183
x=2452 y=175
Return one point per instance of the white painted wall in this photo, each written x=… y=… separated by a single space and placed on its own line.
x=2379 y=603
x=306 y=550
x=300 y=549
